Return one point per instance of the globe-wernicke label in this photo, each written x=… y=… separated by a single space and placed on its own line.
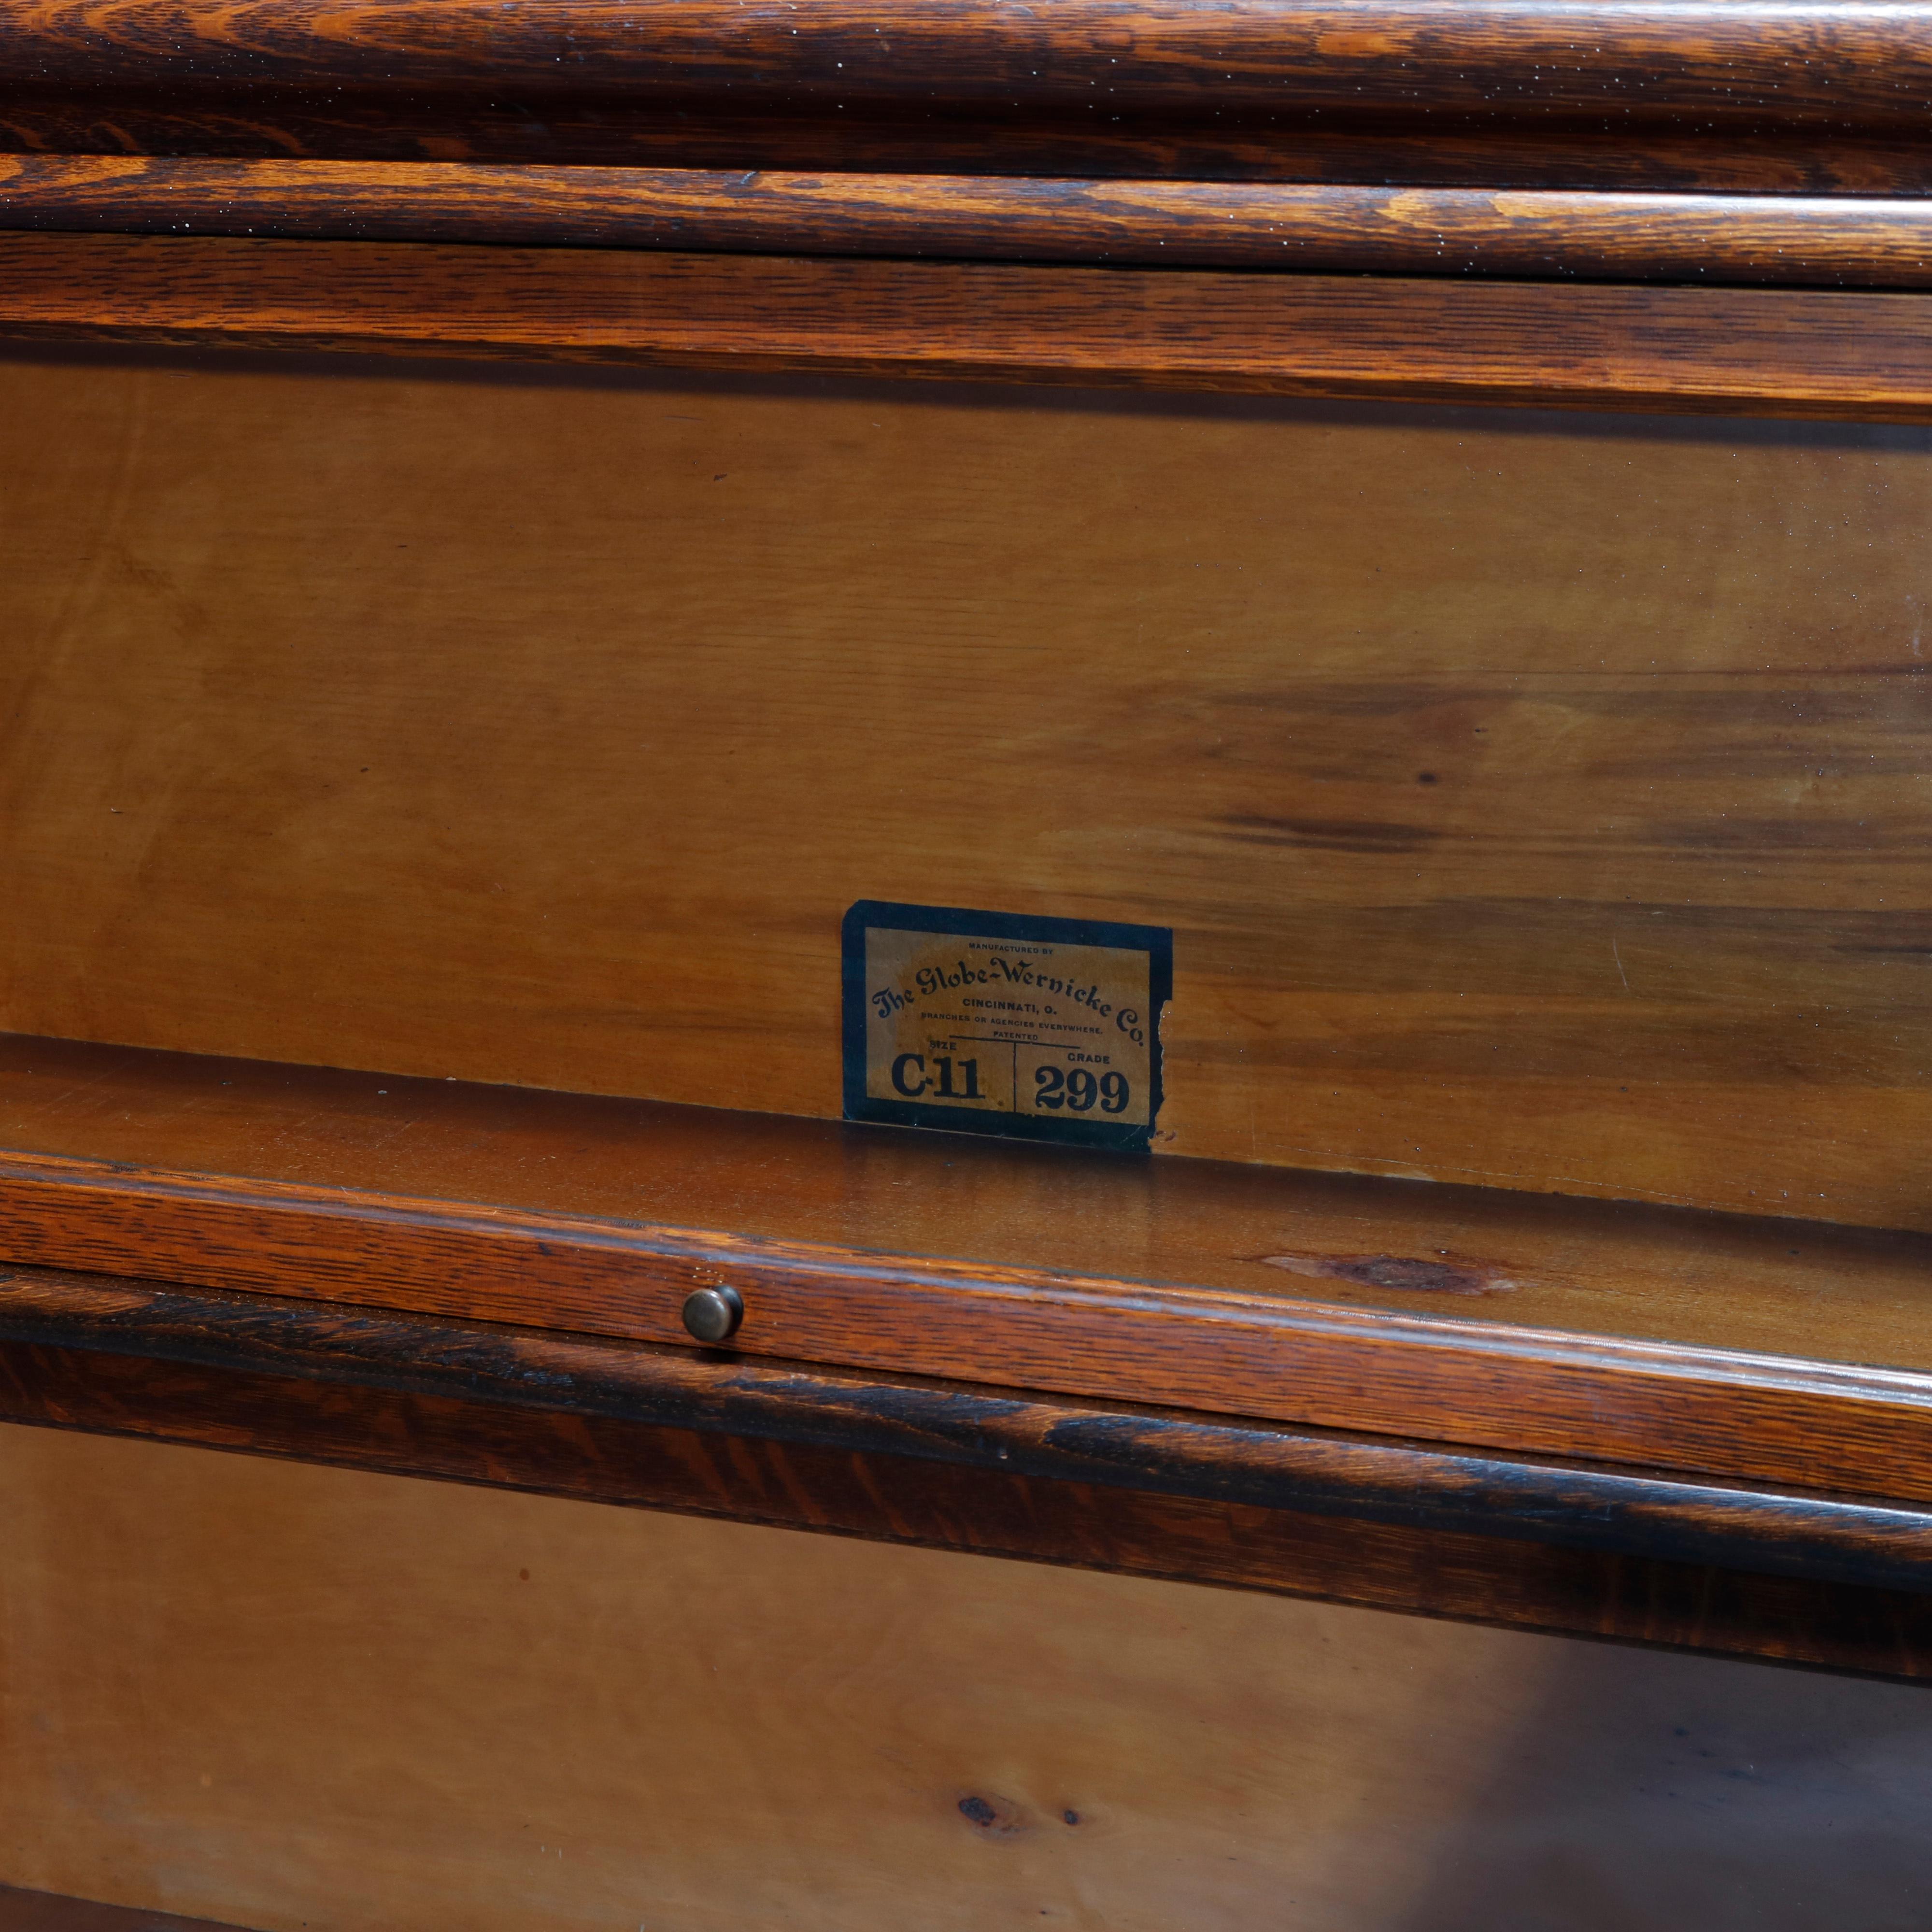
x=998 y=1023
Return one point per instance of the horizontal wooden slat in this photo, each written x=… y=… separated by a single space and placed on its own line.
x=1844 y=61
x=1647 y=1513
x=597 y=1422
x=1814 y=240
x=1598 y=1329
x=1498 y=1384
x=1471 y=151
x=1785 y=96
x=1793 y=352
x=1585 y=1268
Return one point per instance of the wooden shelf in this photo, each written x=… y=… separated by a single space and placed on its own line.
x=539 y=531
x=1816 y=241
x=1239 y=1375
x=1498 y=1259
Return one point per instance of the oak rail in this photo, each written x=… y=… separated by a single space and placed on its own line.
x=1648 y=1513
x=1747 y=1417
x=1795 y=97
x=1832 y=1582
x=1812 y=240
x=1788 y=352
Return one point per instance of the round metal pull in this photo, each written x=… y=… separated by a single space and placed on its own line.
x=712 y=1314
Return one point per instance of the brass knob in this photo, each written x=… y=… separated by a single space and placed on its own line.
x=712 y=1314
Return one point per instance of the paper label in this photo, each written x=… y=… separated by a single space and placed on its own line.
x=981 y=1022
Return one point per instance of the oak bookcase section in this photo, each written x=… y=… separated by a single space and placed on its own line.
x=1536 y=798
x=534 y=513
x=1468 y=1402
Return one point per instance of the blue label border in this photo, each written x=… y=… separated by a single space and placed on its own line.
x=1156 y=941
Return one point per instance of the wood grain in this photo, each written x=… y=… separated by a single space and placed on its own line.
x=1818 y=240
x=1537 y=800
x=1650 y=1558
x=1794 y=98
x=1585 y=1268
x=1488 y=1382
x=1650 y=1514
x=1475 y=152
x=1840 y=63
x=268 y=1693
x=1791 y=353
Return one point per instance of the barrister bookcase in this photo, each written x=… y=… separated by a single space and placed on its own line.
x=965 y=965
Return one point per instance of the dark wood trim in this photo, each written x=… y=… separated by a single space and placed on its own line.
x=1816 y=241
x=1787 y=352
x=1778 y=97
x=1093 y=59
x=1630 y=1512
x=1743 y=1417
x=1480 y=151
x=1615 y=1554
x=1113 y=71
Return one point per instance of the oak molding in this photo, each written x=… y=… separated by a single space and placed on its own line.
x=1641 y=1556
x=1167 y=1452
x=1787 y=352
x=1797 y=97
x=1844 y=61
x=1816 y=241
x=1485 y=1385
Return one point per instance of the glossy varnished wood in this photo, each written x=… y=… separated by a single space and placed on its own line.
x=1654 y=1558
x=1819 y=240
x=1200 y=1309
x=1494 y=1383
x=1469 y=151
x=1789 y=353
x=1628 y=1512
x=1845 y=62
x=1792 y=96
x=1651 y=1425
x=1536 y=798
x=1588 y=1269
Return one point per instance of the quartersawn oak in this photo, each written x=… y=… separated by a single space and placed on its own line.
x=1845 y=63
x=1585 y=1268
x=1794 y=98
x=1643 y=1557
x=1815 y=240
x=1168 y=1452
x=1757 y=1417
x=1223 y=1331
x=1790 y=353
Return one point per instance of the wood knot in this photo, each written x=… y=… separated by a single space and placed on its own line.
x=1406 y=1274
